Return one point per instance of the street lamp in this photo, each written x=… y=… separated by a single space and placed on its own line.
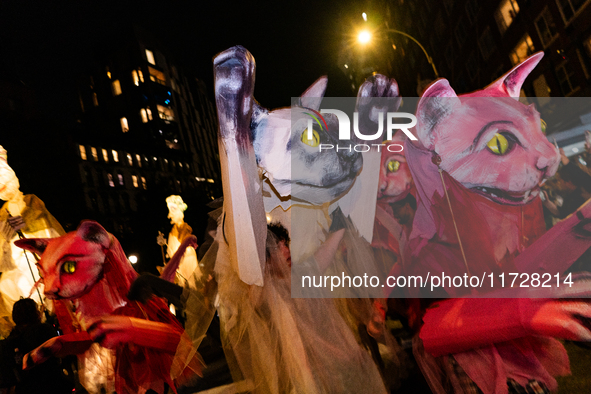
x=429 y=59
x=364 y=37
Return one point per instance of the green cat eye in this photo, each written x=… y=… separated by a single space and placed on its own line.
x=393 y=165
x=69 y=267
x=498 y=144
x=314 y=142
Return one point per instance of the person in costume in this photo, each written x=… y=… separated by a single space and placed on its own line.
x=124 y=345
x=179 y=232
x=477 y=166
x=28 y=215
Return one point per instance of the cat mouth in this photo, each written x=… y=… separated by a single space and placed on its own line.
x=506 y=197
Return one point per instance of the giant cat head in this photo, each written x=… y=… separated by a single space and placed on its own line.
x=293 y=162
x=72 y=264
x=487 y=140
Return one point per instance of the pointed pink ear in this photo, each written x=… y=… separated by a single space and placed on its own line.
x=511 y=82
x=312 y=97
x=35 y=245
x=436 y=103
x=93 y=232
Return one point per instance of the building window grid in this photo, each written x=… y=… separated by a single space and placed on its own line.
x=506 y=13
x=522 y=50
x=129 y=159
x=94 y=153
x=564 y=74
x=135 y=181
x=570 y=8
x=546 y=27
x=460 y=32
x=105 y=155
x=150 y=57
x=116 y=87
x=124 y=124
x=486 y=44
x=115 y=156
x=82 y=150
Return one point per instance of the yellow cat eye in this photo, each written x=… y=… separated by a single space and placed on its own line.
x=498 y=144
x=314 y=142
x=393 y=165
x=69 y=267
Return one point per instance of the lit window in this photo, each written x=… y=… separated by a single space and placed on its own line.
x=95 y=99
x=150 y=57
x=144 y=115
x=130 y=159
x=124 y=125
x=144 y=184
x=111 y=182
x=116 y=87
x=141 y=75
x=115 y=156
x=545 y=27
x=149 y=112
x=108 y=72
x=180 y=164
x=105 y=156
x=157 y=76
x=82 y=152
x=523 y=50
x=120 y=177
x=135 y=181
x=135 y=78
x=94 y=153
x=165 y=113
x=138 y=159
x=506 y=13
x=569 y=8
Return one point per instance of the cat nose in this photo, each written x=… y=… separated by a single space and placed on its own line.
x=542 y=163
x=51 y=288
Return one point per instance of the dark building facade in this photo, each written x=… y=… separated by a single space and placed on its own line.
x=146 y=130
x=134 y=129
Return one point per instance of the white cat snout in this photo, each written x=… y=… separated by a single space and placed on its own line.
x=548 y=164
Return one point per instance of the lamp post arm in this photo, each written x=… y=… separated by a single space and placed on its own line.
x=429 y=59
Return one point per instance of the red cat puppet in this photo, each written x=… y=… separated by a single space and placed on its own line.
x=477 y=168
x=88 y=276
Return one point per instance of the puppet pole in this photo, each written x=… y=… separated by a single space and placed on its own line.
x=22 y=236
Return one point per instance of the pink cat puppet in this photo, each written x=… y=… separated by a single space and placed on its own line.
x=88 y=276
x=477 y=171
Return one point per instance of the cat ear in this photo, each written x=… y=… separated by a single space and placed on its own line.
x=312 y=97
x=510 y=83
x=437 y=102
x=35 y=245
x=93 y=232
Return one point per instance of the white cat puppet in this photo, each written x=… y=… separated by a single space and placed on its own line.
x=253 y=159
x=267 y=157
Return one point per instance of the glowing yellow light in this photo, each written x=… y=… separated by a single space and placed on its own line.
x=364 y=37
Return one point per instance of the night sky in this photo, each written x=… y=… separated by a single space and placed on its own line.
x=293 y=43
